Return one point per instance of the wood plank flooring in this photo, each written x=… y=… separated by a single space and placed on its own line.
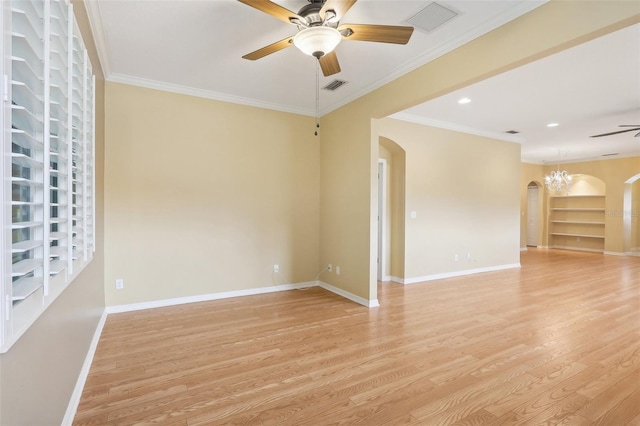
x=555 y=342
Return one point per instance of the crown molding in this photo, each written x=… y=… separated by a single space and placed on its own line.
x=95 y=23
x=207 y=94
x=456 y=127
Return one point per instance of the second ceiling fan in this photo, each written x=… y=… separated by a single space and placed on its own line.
x=320 y=30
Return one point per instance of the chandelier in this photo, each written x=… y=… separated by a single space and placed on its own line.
x=558 y=181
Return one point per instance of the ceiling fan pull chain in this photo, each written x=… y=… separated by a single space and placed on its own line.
x=317 y=97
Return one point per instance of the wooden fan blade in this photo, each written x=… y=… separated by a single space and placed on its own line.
x=329 y=64
x=268 y=50
x=377 y=33
x=614 y=133
x=340 y=7
x=273 y=9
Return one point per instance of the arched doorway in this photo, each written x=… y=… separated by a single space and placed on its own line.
x=533 y=213
x=391 y=210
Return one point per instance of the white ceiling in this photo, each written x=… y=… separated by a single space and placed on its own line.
x=195 y=47
x=588 y=90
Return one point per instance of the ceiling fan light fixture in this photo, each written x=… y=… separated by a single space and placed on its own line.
x=317 y=41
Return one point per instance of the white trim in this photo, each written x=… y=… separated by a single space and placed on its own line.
x=84 y=373
x=396 y=279
x=457 y=127
x=459 y=273
x=95 y=22
x=206 y=94
x=578 y=160
x=368 y=303
x=206 y=297
x=523 y=249
x=616 y=253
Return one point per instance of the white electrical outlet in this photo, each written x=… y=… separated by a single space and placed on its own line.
x=329 y=268
x=276 y=268
x=119 y=284
x=456 y=258
x=337 y=270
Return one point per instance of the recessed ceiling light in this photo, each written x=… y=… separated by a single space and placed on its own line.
x=464 y=101
x=552 y=125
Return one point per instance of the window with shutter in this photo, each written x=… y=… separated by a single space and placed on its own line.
x=47 y=169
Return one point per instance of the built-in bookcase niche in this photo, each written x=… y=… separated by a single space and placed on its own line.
x=577 y=222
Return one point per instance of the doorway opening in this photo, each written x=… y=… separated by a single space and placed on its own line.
x=533 y=214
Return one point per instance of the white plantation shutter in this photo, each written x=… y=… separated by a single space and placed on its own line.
x=77 y=152
x=47 y=169
x=58 y=238
x=27 y=148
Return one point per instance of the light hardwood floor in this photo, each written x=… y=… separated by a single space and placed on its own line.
x=555 y=342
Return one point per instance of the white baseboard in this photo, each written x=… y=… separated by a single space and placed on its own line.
x=459 y=273
x=523 y=249
x=397 y=280
x=617 y=253
x=206 y=297
x=362 y=301
x=84 y=373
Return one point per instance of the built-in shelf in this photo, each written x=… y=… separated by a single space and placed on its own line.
x=576 y=209
x=577 y=222
x=577 y=196
x=577 y=235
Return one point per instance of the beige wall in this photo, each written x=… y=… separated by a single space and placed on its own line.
x=464 y=190
x=349 y=151
x=205 y=197
x=39 y=372
x=612 y=173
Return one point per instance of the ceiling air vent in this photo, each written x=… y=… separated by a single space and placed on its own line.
x=609 y=155
x=334 y=85
x=512 y=132
x=431 y=17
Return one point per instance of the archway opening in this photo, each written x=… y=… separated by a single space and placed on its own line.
x=534 y=214
x=391 y=210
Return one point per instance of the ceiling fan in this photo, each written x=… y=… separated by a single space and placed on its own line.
x=634 y=127
x=320 y=31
